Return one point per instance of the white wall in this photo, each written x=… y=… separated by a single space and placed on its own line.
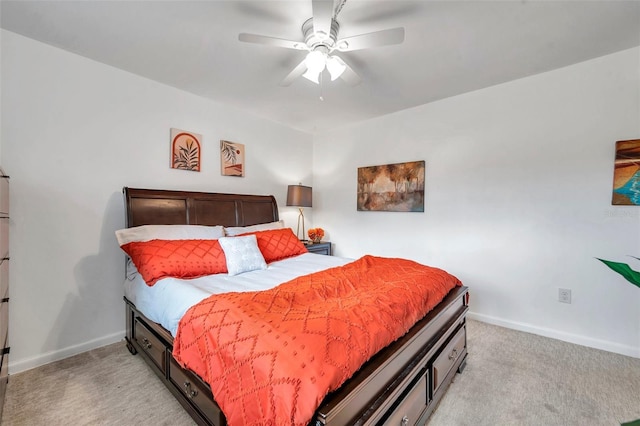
x=517 y=195
x=517 y=199
x=74 y=133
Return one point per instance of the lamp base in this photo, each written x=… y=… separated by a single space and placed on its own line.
x=301 y=217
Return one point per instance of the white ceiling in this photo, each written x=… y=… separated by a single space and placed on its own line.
x=450 y=47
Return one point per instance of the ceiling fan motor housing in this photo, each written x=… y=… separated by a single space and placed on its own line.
x=314 y=39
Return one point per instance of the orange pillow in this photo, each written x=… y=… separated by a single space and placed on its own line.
x=157 y=259
x=278 y=244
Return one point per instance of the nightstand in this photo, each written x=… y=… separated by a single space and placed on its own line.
x=323 y=247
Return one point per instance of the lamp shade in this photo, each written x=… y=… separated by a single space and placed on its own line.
x=299 y=196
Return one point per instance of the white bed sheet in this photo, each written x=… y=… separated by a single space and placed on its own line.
x=167 y=301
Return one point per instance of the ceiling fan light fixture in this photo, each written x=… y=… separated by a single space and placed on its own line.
x=312 y=76
x=315 y=62
x=335 y=66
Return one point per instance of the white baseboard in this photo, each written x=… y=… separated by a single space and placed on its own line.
x=29 y=363
x=604 y=345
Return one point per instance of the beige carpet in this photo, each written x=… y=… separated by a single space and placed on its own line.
x=512 y=378
x=105 y=386
x=516 y=378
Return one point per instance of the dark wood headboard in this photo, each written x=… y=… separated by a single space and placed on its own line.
x=164 y=207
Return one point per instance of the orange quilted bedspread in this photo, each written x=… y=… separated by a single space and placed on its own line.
x=270 y=357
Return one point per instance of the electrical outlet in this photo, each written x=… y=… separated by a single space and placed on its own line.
x=564 y=295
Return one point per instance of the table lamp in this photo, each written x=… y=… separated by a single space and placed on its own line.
x=299 y=196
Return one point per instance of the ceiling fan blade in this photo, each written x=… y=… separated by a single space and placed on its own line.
x=349 y=76
x=322 y=16
x=297 y=72
x=272 y=41
x=375 y=39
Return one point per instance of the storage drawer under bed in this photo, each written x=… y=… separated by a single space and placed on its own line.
x=409 y=411
x=196 y=392
x=150 y=344
x=448 y=357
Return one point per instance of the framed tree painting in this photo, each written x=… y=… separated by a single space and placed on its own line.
x=231 y=158
x=626 y=174
x=391 y=187
x=185 y=150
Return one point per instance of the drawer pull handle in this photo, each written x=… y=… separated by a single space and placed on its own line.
x=146 y=343
x=191 y=393
x=405 y=421
x=454 y=354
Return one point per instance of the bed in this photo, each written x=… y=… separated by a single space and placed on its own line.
x=401 y=384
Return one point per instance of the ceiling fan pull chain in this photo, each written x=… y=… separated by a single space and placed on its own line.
x=321 y=91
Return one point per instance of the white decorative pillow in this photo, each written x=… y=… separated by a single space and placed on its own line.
x=169 y=232
x=237 y=230
x=242 y=253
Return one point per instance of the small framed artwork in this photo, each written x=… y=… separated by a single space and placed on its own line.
x=231 y=158
x=626 y=174
x=185 y=150
x=391 y=187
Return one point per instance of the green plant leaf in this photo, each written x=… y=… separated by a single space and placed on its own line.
x=623 y=269
x=633 y=423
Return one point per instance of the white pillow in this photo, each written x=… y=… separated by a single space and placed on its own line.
x=237 y=230
x=169 y=232
x=242 y=253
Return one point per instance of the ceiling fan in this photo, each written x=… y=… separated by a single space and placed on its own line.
x=321 y=41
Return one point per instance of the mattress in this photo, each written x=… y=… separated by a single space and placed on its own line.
x=167 y=301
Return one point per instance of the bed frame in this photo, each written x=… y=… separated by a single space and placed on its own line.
x=400 y=385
